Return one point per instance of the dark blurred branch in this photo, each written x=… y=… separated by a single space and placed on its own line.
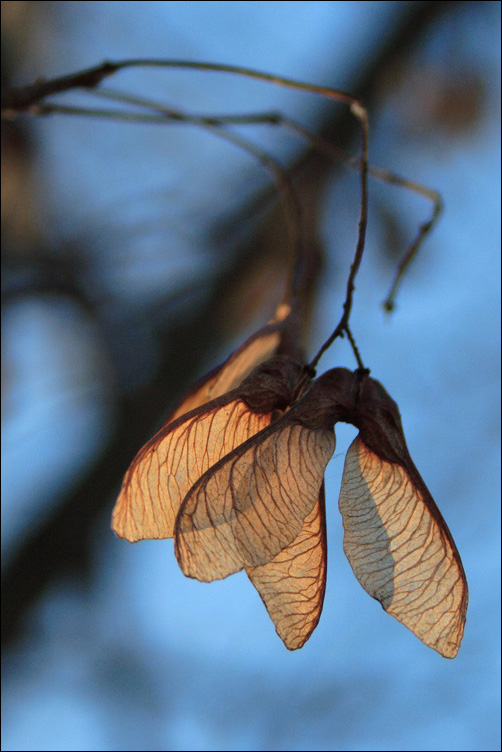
x=25 y=97
x=62 y=542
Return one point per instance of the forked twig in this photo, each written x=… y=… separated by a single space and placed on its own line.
x=29 y=98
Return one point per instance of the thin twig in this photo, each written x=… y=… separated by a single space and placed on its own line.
x=343 y=324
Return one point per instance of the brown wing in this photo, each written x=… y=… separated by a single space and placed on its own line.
x=227 y=376
x=169 y=464
x=400 y=548
x=293 y=583
x=253 y=503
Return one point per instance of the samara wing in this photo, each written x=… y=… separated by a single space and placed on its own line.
x=396 y=540
x=253 y=503
x=174 y=459
x=292 y=584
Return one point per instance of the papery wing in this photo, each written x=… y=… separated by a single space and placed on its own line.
x=229 y=375
x=400 y=548
x=253 y=503
x=293 y=583
x=169 y=464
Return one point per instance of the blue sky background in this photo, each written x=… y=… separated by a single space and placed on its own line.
x=145 y=658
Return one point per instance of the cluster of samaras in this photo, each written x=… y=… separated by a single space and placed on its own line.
x=235 y=476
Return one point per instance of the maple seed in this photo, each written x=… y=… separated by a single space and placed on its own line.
x=252 y=505
x=239 y=490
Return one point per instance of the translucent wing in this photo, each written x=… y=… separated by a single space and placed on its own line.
x=293 y=583
x=151 y=492
x=169 y=464
x=400 y=548
x=253 y=503
x=255 y=350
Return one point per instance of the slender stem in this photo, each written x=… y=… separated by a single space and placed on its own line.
x=355 y=349
x=423 y=231
x=324 y=91
x=25 y=97
x=343 y=324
